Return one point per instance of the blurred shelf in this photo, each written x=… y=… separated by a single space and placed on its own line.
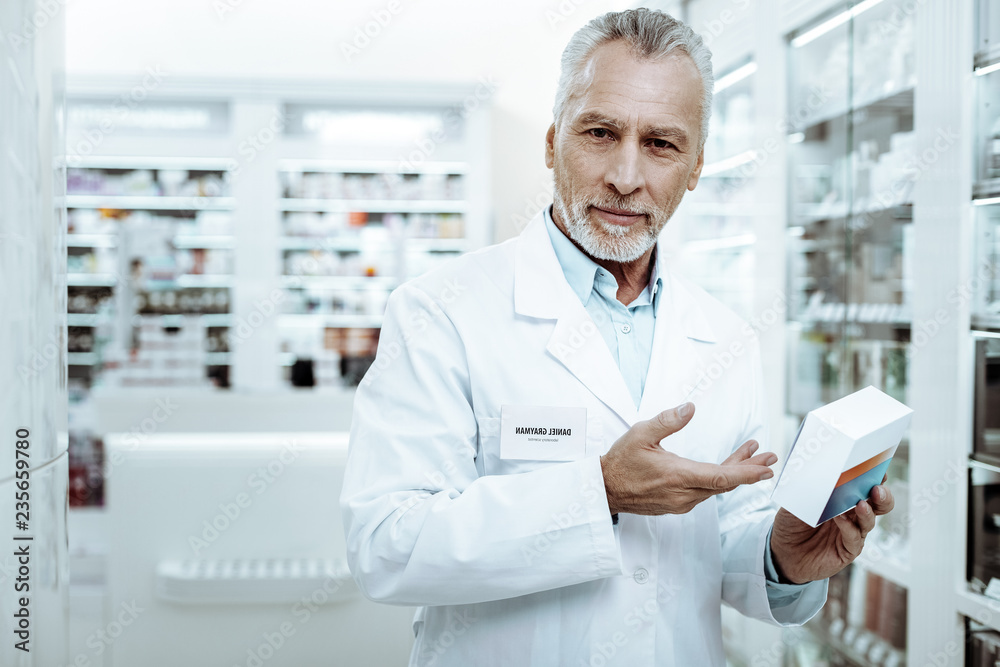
x=359 y=244
x=91 y=280
x=338 y=282
x=151 y=163
x=809 y=213
x=180 y=319
x=195 y=280
x=91 y=241
x=86 y=320
x=374 y=205
x=329 y=320
x=979 y=607
x=887 y=567
x=986 y=326
x=217 y=359
x=370 y=167
x=203 y=241
x=150 y=202
x=81 y=358
x=720 y=167
x=898 y=98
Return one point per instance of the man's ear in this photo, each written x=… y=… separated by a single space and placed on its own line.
x=696 y=174
x=550 y=152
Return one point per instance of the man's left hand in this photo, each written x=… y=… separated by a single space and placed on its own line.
x=802 y=553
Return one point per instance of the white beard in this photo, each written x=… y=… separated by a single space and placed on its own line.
x=603 y=240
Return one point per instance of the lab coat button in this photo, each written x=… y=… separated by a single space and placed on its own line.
x=626 y=328
x=641 y=576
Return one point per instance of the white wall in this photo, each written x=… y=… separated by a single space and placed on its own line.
x=517 y=43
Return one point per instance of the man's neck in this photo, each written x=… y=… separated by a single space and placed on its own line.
x=632 y=277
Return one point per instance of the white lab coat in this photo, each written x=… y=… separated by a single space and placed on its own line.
x=516 y=562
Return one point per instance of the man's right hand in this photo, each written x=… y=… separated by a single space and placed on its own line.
x=642 y=478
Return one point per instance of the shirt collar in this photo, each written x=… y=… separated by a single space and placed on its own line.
x=581 y=271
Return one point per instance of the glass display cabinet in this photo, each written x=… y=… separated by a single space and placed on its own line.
x=852 y=166
x=716 y=247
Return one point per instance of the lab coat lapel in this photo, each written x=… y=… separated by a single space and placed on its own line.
x=682 y=341
x=541 y=291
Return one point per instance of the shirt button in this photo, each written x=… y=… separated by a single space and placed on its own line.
x=626 y=328
x=641 y=576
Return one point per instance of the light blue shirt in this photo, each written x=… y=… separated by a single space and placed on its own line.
x=628 y=332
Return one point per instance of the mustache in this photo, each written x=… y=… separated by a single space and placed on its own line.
x=621 y=203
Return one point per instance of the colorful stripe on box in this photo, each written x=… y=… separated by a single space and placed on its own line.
x=856 y=483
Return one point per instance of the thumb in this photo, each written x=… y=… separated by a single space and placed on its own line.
x=664 y=424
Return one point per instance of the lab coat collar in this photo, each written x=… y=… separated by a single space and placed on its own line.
x=541 y=291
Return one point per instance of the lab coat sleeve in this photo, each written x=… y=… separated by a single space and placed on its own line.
x=422 y=526
x=746 y=516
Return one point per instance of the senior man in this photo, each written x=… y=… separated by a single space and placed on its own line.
x=527 y=464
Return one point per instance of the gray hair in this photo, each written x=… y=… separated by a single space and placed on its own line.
x=651 y=34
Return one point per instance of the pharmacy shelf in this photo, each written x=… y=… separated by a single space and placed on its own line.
x=979 y=608
x=207 y=281
x=371 y=167
x=150 y=202
x=91 y=280
x=91 y=241
x=330 y=321
x=180 y=319
x=81 y=358
x=900 y=98
x=374 y=205
x=217 y=359
x=886 y=567
x=151 y=163
x=206 y=241
x=356 y=244
x=338 y=282
x=86 y=320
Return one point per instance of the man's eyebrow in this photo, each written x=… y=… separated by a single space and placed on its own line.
x=674 y=134
x=593 y=118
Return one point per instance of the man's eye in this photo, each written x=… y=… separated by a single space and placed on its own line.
x=661 y=143
x=599 y=133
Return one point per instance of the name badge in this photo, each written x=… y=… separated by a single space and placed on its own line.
x=542 y=432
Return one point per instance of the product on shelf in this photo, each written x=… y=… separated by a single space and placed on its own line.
x=146 y=182
x=388 y=185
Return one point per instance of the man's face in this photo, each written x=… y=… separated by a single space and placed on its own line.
x=626 y=150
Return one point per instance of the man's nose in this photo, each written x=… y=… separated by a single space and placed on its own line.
x=624 y=170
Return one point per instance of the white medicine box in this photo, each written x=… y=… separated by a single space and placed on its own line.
x=842 y=450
